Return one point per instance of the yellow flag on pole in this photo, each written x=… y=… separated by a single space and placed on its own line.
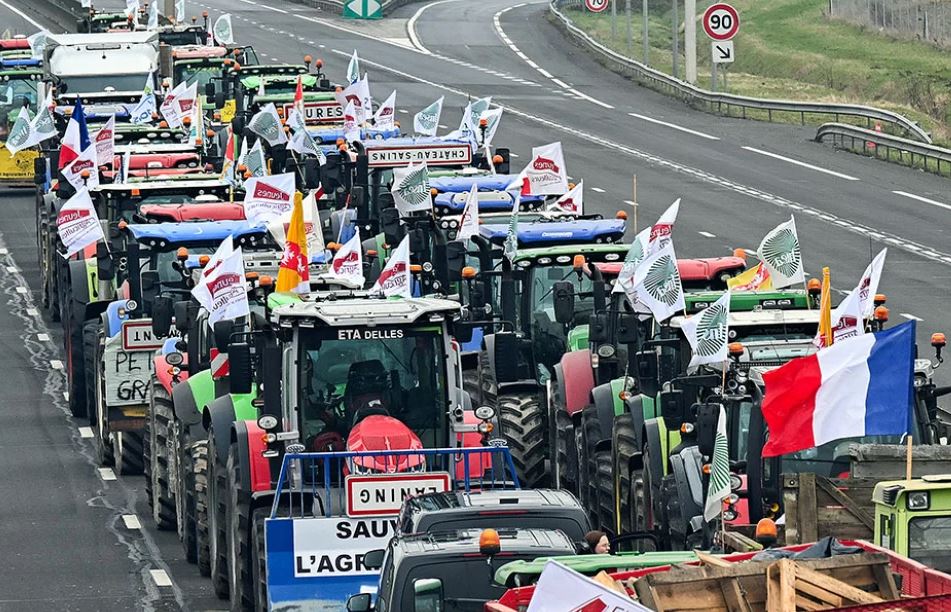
x=825 y=309
x=294 y=271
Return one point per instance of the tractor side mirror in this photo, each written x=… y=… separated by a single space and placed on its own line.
x=428 y=594
x=390 y=224
x=647 y=372
x=223 y=330
x=598 y=329
x=106 y=268
x=39 y=171
x=673 y=409
x=361 y=602
x=182 y=316
x=239 y=363
x=237 y=125
x=456 y=258
x=209 y=90
x=564 y=294
x=373 y=560
x=707 y=417
x=462 y=331
x=627 y=329
x=150 y=280
x=219 y=100
x=161 y=316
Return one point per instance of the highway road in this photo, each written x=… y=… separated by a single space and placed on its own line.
x=77 y=540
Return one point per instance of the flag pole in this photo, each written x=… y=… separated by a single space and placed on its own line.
x=908 y=444
x=634 y=200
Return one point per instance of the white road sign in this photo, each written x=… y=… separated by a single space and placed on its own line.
x=722 y=52
x=383 y=495
x=327 y=547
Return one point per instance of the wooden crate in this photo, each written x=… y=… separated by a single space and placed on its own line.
x=816 y=507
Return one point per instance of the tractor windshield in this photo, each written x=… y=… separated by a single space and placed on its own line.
x=929 y=541
x=349 y=374
x=12 y=95
x=201 y=74
x=543 y=296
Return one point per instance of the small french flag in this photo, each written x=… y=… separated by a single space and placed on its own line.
x=862 y=386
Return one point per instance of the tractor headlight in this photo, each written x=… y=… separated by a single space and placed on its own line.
x=606 y=351
x=919 y=500
x=729 y=515
x=735 y=482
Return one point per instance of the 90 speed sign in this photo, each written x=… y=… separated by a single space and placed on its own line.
x=596 y=6
x=721 y=21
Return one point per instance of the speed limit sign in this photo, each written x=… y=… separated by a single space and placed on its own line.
x=596 y=6
x=721 y=21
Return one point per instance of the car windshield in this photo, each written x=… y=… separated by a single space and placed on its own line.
x=196 y=73
x=348 y=374
x=12 y=95
x=929 y=541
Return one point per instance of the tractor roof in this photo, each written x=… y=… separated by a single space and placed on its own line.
x=197 y=53
x=167 y=235
x=365 y=311
x=766 y=317
x=778 y=299
x=464 y=183
x=466 y=541
x=198 y=187
x=559 y=232
x=198 y=211
x=562 y=254
x=888 y=492
x=16 y=64
x=690 y=269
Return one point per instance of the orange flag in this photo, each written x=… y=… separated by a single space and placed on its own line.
x=294 y=272
x=825 y=309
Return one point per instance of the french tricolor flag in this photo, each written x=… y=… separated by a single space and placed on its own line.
x=862 y=386
x=76 y=138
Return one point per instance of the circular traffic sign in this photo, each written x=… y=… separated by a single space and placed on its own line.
x=721 y=21
x=596 y=6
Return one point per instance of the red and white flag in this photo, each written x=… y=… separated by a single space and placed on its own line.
x=572 y=202
x=78 y=224
x=224 y=250
x=105 y=140
x=395 y=278
x=868 y=284
x=170 y=108
x=351 y=123
x=70 y=146
x=278 y=226
x=661 y=231
x=73 y=172
x=385 y=117
x=545 y=174
x=359 y=94
x=268 y=197
x=469 y=222
x=348 y=262
x=561 y=588
x=223 y=292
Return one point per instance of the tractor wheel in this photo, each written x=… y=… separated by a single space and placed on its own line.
x=624 y=446
x=185 y=515
x=74 y=336
x=562 y=440
x=86 y=408
x=147 y=443
x=160 y=419
x=198 y=494
x=646 y=515
x=97 y=412
x=590 y=436
x=471 y=384
x=675 y=519
x=240 y=557
x=523 y=427
x=488 y=398
x=127 y=447
x=581 y=475
x=605 y=485
x=217 y=511
x=259 y=579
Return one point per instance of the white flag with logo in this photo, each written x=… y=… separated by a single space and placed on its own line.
x=37 y=43
x=254 y=160
x=78 y=224
x=169 y=109
x=359 y=94
x=469 y=222
x=153 y=16
x=395 y=278
x=545 y=174
x=187 y=101
x=657 y=284
x=781 y=254
x=224 y=249
x=719 y=487
x=21 y=133
x=572 y=202
x=662 y=230
x=266 y=123
x=472 y=112
x=492 y=118
x=846 y=318
x=268 y=197
x=132 y=10
x=105 y=141
x=708 y=332
x=302 y=142
x=179 y=11
x=348 y=262
x=43 y=127
x=351 y=123
x=278 y=226
x=143 y=111
x=411 y=189
x=426 y=121
x=385 y=117
x=223 y=292
x=561 y=588
x=73 y=172
x=868 y=284
x=353 y=68
x=635 y=255
x=222 y=30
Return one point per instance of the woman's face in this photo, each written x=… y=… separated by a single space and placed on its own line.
x=603 y=547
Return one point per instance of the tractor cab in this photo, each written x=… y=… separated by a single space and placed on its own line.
x=913 y=518
x=122 y=200
x=99 y=22
x=182 y=34
x=19 y=87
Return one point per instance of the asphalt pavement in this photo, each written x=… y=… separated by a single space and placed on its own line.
x=77 y=540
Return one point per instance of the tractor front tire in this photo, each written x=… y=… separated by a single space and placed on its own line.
x=522 y=422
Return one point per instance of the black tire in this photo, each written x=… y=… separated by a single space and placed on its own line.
x=624 y=447
x=240 y=557
x=198 y=493
x=675 y=520
x=590 y=436
x=74 y=337
x=90 y=347
x=160 y=421
x=217 y=509
x=127 y=448
x=561 y=438
x=97 y=414
x=260 y=558
x=523 y=427
x=605 y=485
x=489 y=396
x=470 y=384
x=649 y=514
x=185 y=508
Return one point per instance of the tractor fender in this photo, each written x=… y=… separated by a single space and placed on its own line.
x=518 y=387
x=191 y=396
x=577 y=380
x=79 y=280
x=240 y=438
x=652 y=441
x=220 y=415
x=603 y=398
x=112 y=320
x=251 y=446
x=634 y=405
x=163 y=373
x=488 y=347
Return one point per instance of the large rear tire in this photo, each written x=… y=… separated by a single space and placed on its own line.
x=471 y=384
x=198 y=493
x=240 y=557
x=100 y=424
x=127 y=447
x=160 y=420
x=217 y=512
x=624 y=447
x=90 y=346
x=523 y=427
x=590 y=436
x=605 y=485
x=260 y=558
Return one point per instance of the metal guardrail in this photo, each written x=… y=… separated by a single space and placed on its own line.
x=718 y=102
x=873 y=143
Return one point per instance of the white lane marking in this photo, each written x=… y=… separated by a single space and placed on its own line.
x=12 y=269
x=106 y=473
x=4 y=251
x=853 y=226
x=597 y=189
x=922 y=199
x=630 y=202
x=513 y=155
x=802 y=164
x=56 y=364
x=910 y=317
x=707 y=234
x=160 y=577
x=497 y=24
x=264 y=6
x=22 y=14
x=85 y=432
x=22 y=290
x=66 y=397
x=43 y=337
x=131 y=521
x=404 y=111
x=674 y=126
x=411 y=25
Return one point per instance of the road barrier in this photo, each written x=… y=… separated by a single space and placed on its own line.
x=885 y=146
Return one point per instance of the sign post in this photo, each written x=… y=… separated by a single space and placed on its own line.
x=721 y=22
